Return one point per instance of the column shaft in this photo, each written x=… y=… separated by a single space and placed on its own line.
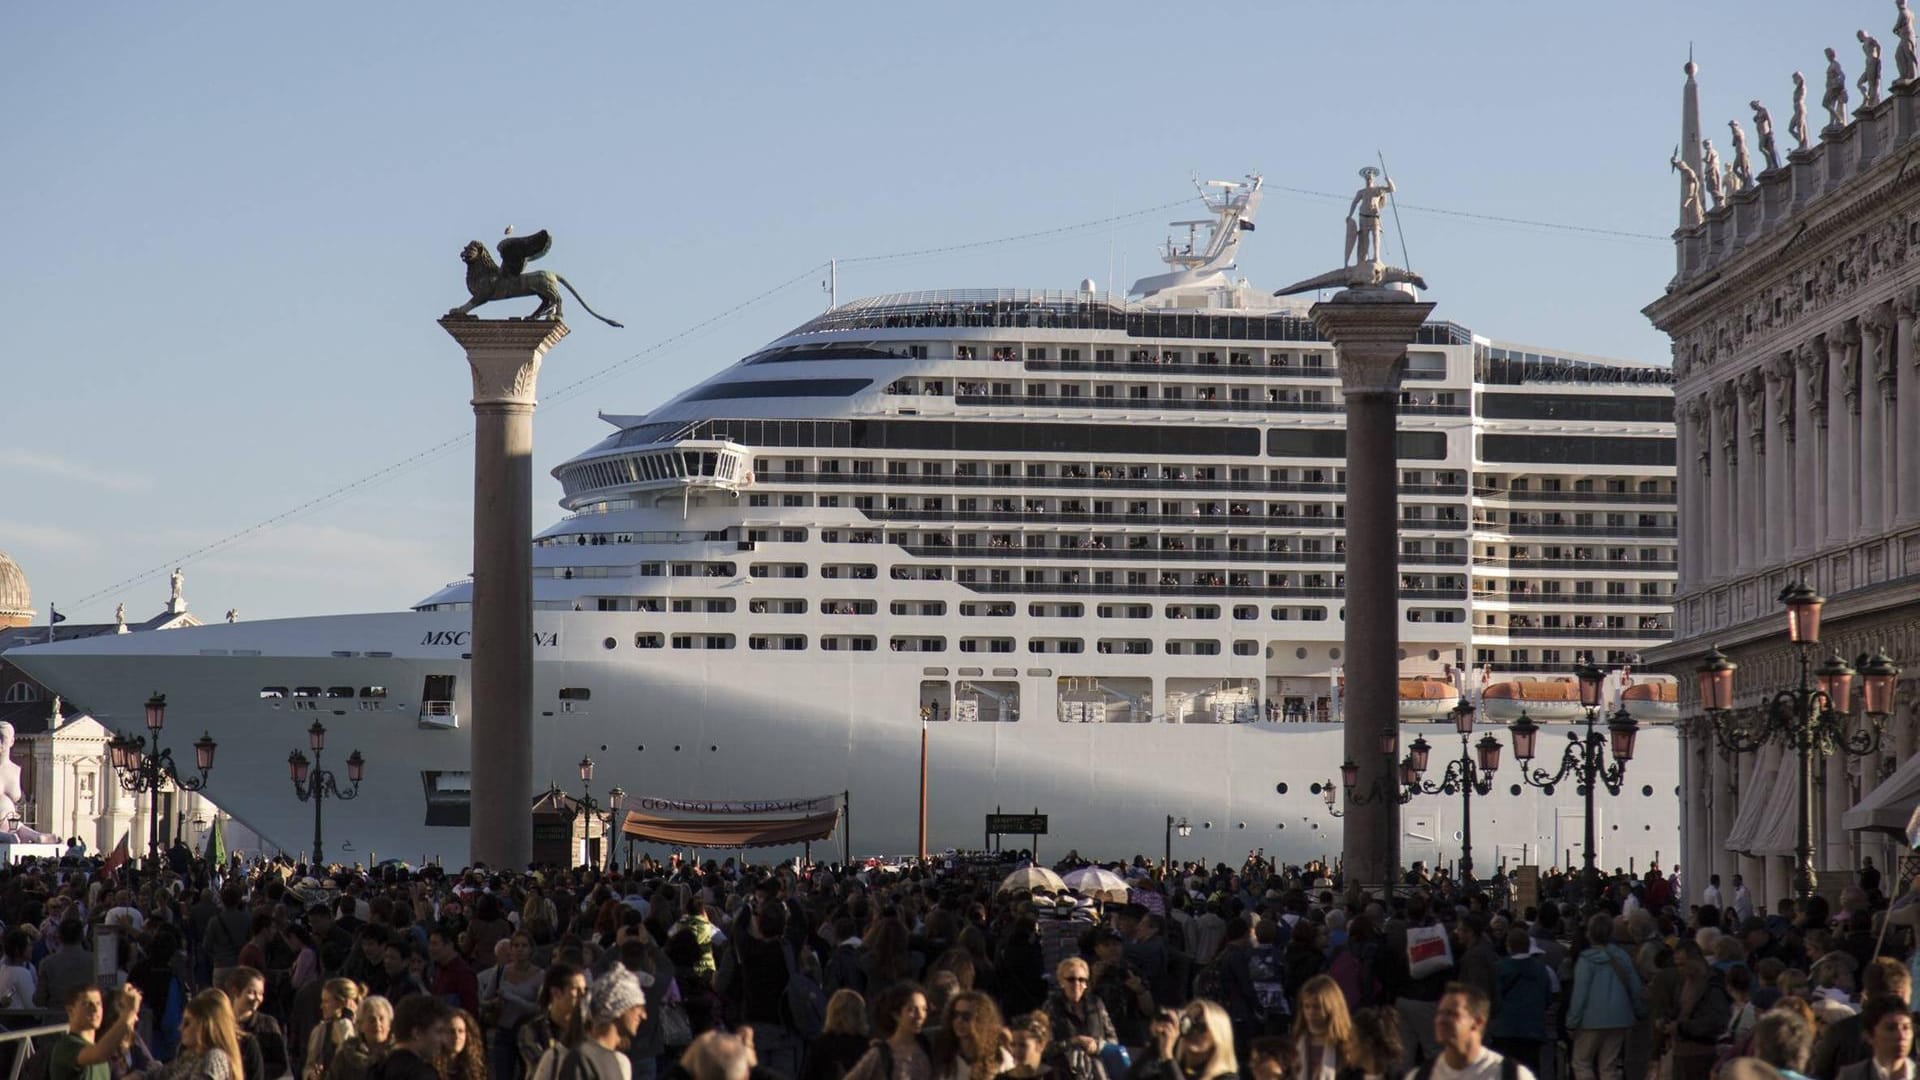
x=1778 y=451
x=1685 y=482
x=1809 y=432
x=1872 y=476
x=1837 y=852
x=1372 y=633
x=1719 y=859
x=1906 y=414
x=502 y=733
x=1720 y=482
x=1843 y=431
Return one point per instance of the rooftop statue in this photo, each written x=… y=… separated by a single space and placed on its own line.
x=1905 y=63
x=488 y=281
x=1869 y=81
x=1835 y=101
x=1763 y=127
x=1798 y=126
x=1742 y=164
x=1361 y=265
x=1690 y=208
x=1710 y=172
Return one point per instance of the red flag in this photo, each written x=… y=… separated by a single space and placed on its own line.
x=117 y=858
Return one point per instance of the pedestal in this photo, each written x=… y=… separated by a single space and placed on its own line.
x=1370 y=329
x=505 y=357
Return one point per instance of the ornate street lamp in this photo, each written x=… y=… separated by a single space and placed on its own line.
x=1184 y=829
x=316 y=785
x=1467 y=776
x=1381 y=790
x=1584 y=759
x=1812 y=717
x=140 y=771
x=586 y=804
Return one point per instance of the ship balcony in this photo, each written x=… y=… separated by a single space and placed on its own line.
x=1654 y=567
x=679 y=467
x=1508 y=495
x=440 y=715
x=1663 y=603
x=1630 y=633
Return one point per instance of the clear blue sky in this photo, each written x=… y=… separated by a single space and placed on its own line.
x=231 y=226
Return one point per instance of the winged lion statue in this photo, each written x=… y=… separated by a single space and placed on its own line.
x=488 y=281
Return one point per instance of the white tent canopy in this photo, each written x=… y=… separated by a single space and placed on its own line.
x=1887 y=807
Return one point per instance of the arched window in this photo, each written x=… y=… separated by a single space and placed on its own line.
x=22 y=691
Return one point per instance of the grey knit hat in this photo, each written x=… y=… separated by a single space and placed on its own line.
x=616 y=992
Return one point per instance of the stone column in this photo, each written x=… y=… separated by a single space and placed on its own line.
x=1753 y=772
x=1835 y=856
x=1779 y=458
x=1688 y=483
x=1843 y=433
x=505 y=357
x=1750 y=516
x=1720 y=538
x=1810 y=435
x=1719 y=859
x=1370 y=329
x=1906 y=712
x=1779 y=875
x=1877 y=390
x=1906 y=411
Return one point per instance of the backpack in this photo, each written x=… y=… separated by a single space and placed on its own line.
x=1357 y=982
x=805 y=1001
x=1265 y=968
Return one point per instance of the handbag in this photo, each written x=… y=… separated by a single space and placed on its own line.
x=676 y=1029
x=1429 y=951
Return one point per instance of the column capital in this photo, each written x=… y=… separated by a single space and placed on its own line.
x=1370 y=329
x=504 y=355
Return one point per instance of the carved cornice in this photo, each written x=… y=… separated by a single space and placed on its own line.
x=504 y=355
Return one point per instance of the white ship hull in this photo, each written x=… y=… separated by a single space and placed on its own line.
x=667 y=724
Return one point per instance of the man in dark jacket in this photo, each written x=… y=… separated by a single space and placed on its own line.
x=1845 y=1040
x=1522 y=986
x=1416 y=999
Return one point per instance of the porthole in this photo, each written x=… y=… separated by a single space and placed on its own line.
x=1334 y=653
x=1647 y=790
x=610 y=643
x=603 y=748
x=1206 y=824
x=1514 y=789
x=1433 y=654
x=1241 y=825
x=676 y=748
x=1403 y=654
x=713 y=749
x=642 y=748
x=1280 y=788
x=1300 y=653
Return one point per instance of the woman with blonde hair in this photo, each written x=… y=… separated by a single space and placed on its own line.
x=339 y=999
x=372 y=1038
x=1194 y=1044
x=209 y=1042
x=1322 y=1030
x=843 y=1038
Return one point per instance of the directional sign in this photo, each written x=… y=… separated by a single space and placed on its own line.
x=1027 y=824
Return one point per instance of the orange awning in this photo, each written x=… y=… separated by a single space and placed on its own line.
x=731 y=832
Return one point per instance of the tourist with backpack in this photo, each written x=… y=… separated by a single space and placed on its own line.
x=1607 y=998
x=1459 y=1029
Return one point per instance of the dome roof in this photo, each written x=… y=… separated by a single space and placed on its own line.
x=16 y=599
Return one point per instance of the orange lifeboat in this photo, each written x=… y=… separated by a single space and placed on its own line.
x=1652 y=701
x=1426 y=699
x=1542 y=699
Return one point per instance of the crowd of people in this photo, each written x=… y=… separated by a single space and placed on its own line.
x=938 y=971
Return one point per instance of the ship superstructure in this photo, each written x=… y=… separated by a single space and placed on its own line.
x=1093 y=542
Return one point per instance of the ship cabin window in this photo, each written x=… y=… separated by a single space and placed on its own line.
x=373 y=691
x=1192 y=647
x=1246 y=648
x=266 y=692
x=917 y=644
x=1246 y=612
x=848 y=643
x=648 y=641
x=306 y=691
x=703 y=641
x=339 y=691
x=994 y=610
x=1056 y=645
x=918 y=607
x=777 y=642
x=1055 y=611
x=1125 y=646
x=989 y=645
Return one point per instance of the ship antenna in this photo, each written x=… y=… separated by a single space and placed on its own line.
x=1391 y=201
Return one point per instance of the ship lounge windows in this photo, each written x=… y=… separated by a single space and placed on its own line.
x=777 y=642
x=1192 y=647
x=917 y=607
x=986 y=645
x=917 y=644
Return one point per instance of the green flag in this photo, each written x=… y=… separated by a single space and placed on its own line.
x=216 y=842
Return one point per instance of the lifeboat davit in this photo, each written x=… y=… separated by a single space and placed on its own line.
x=1426 y=699
x=1652 y=701
x=1542 y=699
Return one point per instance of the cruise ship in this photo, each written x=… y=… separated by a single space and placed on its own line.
x=1092 y=544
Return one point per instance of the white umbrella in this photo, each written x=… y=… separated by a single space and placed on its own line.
x=1099 y=883
x=1029 y=878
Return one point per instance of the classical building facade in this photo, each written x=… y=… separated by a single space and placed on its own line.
x=61 y=753
x=1797 y=396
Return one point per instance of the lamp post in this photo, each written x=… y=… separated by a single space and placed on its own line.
x=142 y=770
x=1812 y=717
x=1184 y=829
x=586 y=804
x=1584 y=759
x=316 y=785
x=1468 y=775
x=1381 y=790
